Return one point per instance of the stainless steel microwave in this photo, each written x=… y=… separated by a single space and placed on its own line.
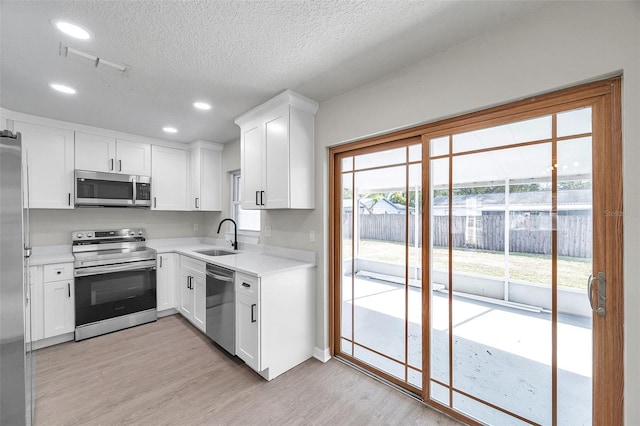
x=98 y=189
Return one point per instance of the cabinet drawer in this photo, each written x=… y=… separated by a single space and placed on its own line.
x=196 y=266
x=58 y=272
x=247 y=285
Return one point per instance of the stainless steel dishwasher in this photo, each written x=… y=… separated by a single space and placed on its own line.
x=221 y=307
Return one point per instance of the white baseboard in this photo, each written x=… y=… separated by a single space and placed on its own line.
x=322 y=355
x=167 y=312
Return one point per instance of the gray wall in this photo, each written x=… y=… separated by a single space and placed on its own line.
x=560 y=45
x=53 y=227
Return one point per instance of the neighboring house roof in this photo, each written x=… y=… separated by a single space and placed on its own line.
x=580 y=198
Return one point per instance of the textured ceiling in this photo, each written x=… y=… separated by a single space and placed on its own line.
x=233 y=54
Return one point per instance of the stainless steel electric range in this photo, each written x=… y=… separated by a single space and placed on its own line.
x=115 y=281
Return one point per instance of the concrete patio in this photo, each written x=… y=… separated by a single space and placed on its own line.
x=501 y=354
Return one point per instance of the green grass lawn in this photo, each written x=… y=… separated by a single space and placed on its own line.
x=572 y=272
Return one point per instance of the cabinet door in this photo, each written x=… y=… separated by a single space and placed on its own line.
x=186 y=294
x=95 y=152
x=248 y=330
x=166 y=281
x=47 y=158
x=251 y=163
x=210 y=180
x=275 y=183
x=169 y=178
x=199 y=303
x=59 y=316
x=133 y=158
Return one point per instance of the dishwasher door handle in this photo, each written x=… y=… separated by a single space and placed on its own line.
x=219 y=277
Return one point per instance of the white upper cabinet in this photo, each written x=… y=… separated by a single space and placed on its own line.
x=277 y=153
x=47 y=157
x=206 y=177
x=107 y=154
x=169 y=178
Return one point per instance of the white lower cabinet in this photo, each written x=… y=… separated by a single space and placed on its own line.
x=248 y=330
x=58 y=299
x=275 y=320
x=166 y=275
x=192 y=290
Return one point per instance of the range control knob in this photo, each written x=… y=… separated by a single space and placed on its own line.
x=89 y=235
x=79 y=235
x=132 y=233
x=140 y=233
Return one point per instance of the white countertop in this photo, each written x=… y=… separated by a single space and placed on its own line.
x=252 y=261
x=50 y=254
x=245 y=261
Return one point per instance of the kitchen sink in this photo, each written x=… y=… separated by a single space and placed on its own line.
x=216 y=252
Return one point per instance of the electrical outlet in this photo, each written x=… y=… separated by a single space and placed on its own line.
x=267 y=231
x=195 y=226
x=312 y=236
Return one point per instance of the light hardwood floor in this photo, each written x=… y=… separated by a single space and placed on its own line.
x=167 y=373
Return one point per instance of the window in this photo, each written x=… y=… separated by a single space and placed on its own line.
x=247 y=220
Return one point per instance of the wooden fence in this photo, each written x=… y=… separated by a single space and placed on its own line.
x=486 y=233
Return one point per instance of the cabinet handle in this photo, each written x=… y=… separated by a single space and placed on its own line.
x=69 y=198
x=119 y=165
x=262 y=198
x=246 y=285
x=161 y=261
x=189 y=283
x=252 y=316
x=111 y=167
x=155 y=203
x=257 y=203
x=69 y=289
x=197 y=206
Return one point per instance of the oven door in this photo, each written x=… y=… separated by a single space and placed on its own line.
x=105 y=292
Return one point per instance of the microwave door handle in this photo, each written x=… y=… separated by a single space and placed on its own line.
x=135 y=190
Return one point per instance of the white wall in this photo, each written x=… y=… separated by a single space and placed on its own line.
x=561 y=45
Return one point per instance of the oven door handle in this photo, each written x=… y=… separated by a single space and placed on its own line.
x=107 y=269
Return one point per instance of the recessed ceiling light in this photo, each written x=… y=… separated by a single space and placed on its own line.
x=70 y=29
x=170 y=129
x=62 y=88
x=202 y=105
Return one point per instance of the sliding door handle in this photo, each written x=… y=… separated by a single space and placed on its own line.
x=601 y=293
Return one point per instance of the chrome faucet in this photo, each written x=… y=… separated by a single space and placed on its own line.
x=235 y=232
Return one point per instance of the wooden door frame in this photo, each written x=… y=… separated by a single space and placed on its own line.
x=605 y=98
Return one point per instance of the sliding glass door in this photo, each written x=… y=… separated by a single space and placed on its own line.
x=496 y=295
x=380 y=278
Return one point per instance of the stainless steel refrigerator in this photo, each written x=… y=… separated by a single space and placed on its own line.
x=15 y=360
